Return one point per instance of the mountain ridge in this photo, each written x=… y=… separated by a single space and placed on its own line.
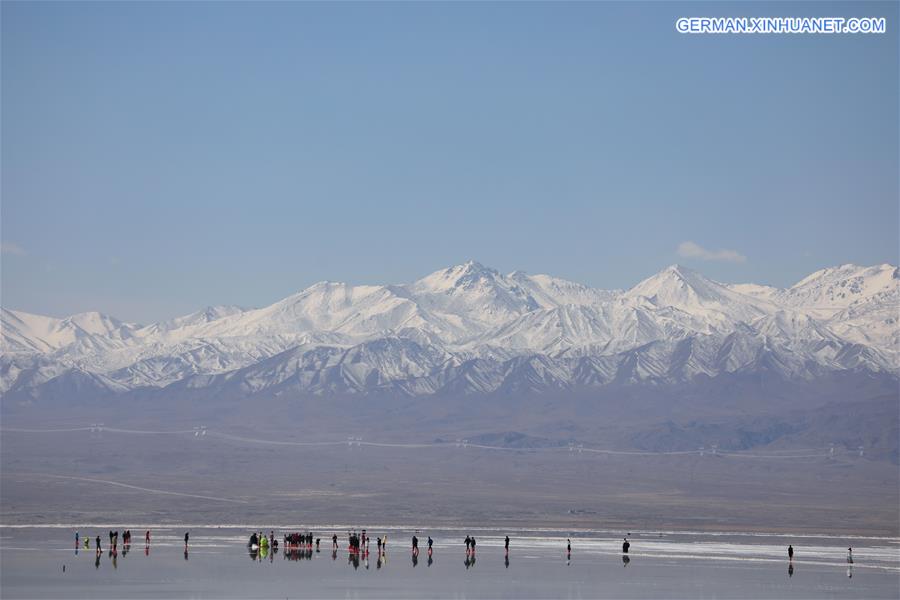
x=473 y=329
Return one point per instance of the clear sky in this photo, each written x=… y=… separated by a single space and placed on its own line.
x=161 y=157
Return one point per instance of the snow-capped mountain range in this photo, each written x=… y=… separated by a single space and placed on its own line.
x=471 y=329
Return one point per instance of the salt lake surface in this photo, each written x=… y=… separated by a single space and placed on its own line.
x=41 y=562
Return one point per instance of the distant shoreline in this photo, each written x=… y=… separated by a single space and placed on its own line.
x=483 y=529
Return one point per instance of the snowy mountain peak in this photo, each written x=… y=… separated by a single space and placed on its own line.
x=675 y=285
x=852 y=278
x=690 y=292
x=207 y=315
x=679 y=270
x=833 y=289
x=466 y=275
x=93 y=322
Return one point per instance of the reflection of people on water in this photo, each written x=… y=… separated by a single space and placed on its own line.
x=506 y=560
x=415 y=558
x=353 y=558
x=625 y=560
x=430 y=559
x=790 y=569
x=97 y=561
x=850 y=571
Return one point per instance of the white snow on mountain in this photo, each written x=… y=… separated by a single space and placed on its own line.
x=207 y=315
x=26 y=332
x=471 y=329
x=691 y=292
x=828 y=291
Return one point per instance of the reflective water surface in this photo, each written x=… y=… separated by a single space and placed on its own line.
x=38 y=562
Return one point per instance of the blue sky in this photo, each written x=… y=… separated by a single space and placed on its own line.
x=160 y=157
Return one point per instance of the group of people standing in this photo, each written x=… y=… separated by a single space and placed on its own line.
x=356 y=542
x=359 y=542
x=113 y=540
x=259 y=539
x=85 y=543
x=415 y=545
x=301 y=540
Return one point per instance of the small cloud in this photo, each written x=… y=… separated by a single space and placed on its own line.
x=12 y=248
x=693 y=250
